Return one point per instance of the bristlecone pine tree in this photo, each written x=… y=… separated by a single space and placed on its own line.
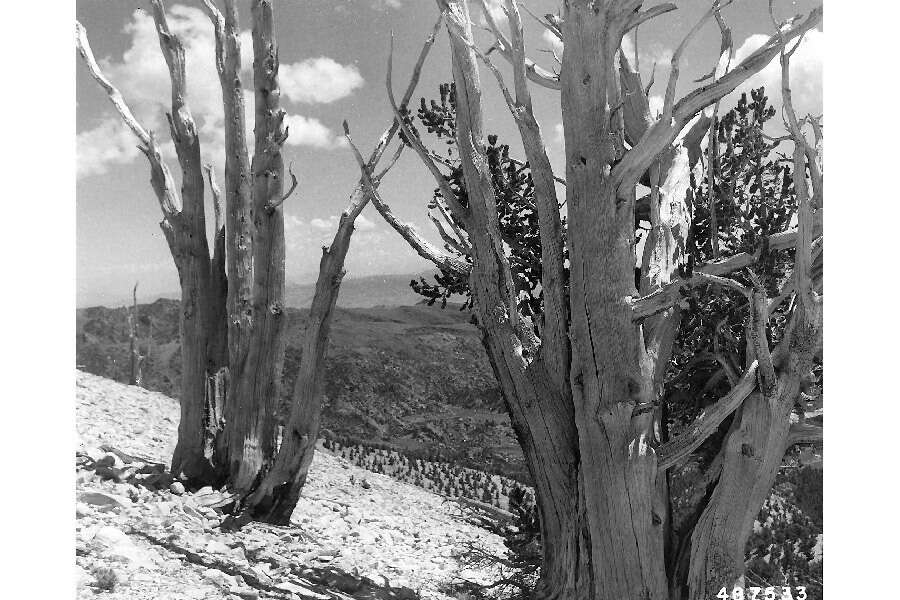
x=582 y=356
x=232 y=294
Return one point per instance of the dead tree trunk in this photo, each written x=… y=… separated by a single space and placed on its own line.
x=134 y=343
x=584 y=397
x=275 y=497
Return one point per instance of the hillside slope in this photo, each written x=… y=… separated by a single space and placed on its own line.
x=414 y=377
x=354 y=531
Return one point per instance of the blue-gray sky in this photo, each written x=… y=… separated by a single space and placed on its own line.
x=333 y=55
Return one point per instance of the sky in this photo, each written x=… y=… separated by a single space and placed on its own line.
x=333 y=60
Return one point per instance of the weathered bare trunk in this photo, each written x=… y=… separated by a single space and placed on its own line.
x=274 y=499
x=134 y=343
x=542 y=420
x=256 y=292
x=186 y=234
x=275 y=496
x=611 y=376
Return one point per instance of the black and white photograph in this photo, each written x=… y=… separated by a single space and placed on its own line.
x=455 y=300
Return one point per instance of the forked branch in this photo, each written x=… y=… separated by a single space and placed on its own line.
x=423 y=247
x=443 y=185
x=665 y=131
x=675 y=450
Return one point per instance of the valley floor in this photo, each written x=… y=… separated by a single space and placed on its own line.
x=354 y=534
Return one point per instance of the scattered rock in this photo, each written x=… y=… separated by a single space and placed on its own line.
x=111 y=460
x=217 y=547
x=245 y=593
x=103 y=499
x=341 y=535
x=82 y=510
x=300 y=590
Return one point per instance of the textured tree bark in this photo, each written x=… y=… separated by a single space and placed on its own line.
x=274 y=499
x=611 y=382
x=256 y=364
x=751 y=456
x=186 y=233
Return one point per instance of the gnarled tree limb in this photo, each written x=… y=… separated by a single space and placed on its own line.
x=161 y=177
x=706 y=424
x=423 y=247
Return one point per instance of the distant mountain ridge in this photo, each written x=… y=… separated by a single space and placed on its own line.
x=356 y=292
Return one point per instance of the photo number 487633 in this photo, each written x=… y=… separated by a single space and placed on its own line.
x=766 y=593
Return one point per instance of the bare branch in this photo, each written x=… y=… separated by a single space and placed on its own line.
x=389 y=133
x=448 y=218
x=759 y=318
x=449 y=239
x=665 y=131
x=546 y=23
x=643 y=16
x=510 y=103
x=669 y=102
x=726 y=54
x=161 y=177
x=671 y=295
x=275 y=203
x=417 y=145
x=554 y=338
x=803 y=155
x=394 y=158
x=423 y=247
x=535 y=73
x=84 y=48
x=673 y=451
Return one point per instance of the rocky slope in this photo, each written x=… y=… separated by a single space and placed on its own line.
x=354 y=534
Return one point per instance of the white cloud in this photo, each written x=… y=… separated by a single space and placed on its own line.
x=495 y=7
x=143 y=78
x=554 y=42
x=319 y=79
x=363 y=223
x=305 y=131
x=109 y=143
x=559 y=134
x=326 y=224
x=806 y=74
x=383 y=4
